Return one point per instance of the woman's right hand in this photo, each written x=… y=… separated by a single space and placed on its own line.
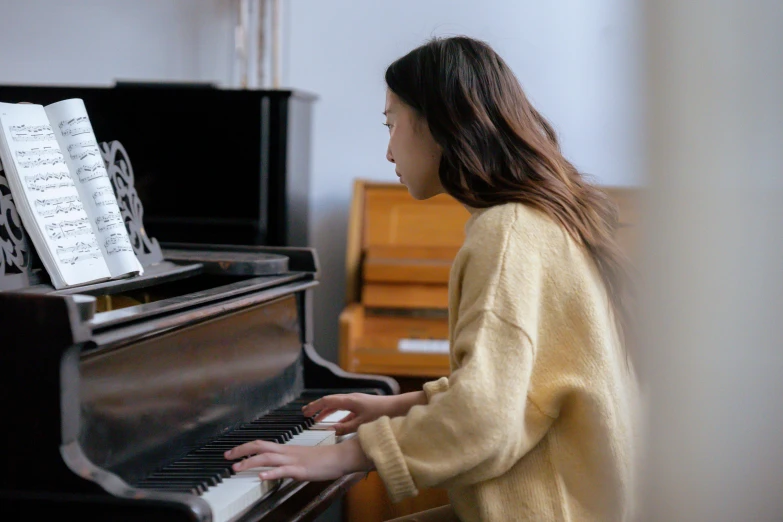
x=363 y=408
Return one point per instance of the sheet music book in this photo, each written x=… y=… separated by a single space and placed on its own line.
x=63 y=194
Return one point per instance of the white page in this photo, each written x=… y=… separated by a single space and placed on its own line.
x=72 y=128
x=43 y=187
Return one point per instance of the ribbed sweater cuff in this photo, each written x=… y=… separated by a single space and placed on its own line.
x=377 y=440
x=434 y=387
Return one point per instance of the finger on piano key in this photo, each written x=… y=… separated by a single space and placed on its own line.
x=235 y=495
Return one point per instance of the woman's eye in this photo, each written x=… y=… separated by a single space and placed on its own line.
x=388 y=126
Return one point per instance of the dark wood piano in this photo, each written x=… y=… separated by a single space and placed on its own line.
x=120 y=397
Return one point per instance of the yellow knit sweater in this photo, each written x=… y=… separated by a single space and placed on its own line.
x=537 y=419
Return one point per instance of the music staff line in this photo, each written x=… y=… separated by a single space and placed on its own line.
x=75 y=126
x=60 y=209
x=42 y=161
x=30 y=128
x=69 y=228
x=90 y=172
x=109 y=221
x=117 y=239
x=48 y=180
x=39 y=203
x=118 y=249
x=33 y=137
x=83 y=149
x=103 y=196
x=81 y=251
x=82 y=144
x=46 y=151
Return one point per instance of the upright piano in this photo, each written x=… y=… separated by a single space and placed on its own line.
x=119 y=398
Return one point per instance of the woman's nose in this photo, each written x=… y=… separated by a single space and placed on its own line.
x=389 y=155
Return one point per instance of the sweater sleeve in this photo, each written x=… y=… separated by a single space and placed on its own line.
x=434 y=387
x=473 y=430
x=482 y=420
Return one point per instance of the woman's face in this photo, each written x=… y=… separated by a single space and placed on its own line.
x=412 y=149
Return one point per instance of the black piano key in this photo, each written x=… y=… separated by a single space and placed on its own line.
x=221 y=448
x=305 y=422
x=266 y=428
x=263 y=429
x=260 y=429
x=207 y=460
x=249 y=435
x=295 y=426
x=174 y=489
x=228 y=444
x=265 y=435
x=172 y=481
x=218 y=473
x=205 y=474
x=280 y=420
x=215 y=465
x=290 y=413
x=206 y=479
x=207 y=465
x=225 y=470
x=196 y=487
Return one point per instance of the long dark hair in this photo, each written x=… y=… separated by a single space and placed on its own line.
x=497 y=148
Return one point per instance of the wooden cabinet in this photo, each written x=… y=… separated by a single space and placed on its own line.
x=398 y=260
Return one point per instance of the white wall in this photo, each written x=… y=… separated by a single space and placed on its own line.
x=712 y=350
x=576 y=60
x=95 y=42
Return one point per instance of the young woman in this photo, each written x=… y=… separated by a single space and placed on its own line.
x=536 y=420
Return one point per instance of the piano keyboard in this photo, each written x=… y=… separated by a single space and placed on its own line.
x=206 y=472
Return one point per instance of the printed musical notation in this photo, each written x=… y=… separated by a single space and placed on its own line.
x=60 y=209
x=46 y=151
x=117 y=242
x=31 y=133
x=109 y=221
x=90 y=172
x=69 y=228
x=103 y=196
x=41 y=203
x=75 y=126
x=37 y=162
x=48 y=181
x=83 y=150
x=81 y=251
x=31 y=128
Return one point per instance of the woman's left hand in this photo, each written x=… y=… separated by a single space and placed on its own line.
x=311 y=463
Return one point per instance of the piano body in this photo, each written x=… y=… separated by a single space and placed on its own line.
x=120 y=397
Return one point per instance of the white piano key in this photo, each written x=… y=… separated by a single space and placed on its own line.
x=234 y=496
x=328 y=422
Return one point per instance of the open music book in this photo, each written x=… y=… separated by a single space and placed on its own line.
x=63 y=194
